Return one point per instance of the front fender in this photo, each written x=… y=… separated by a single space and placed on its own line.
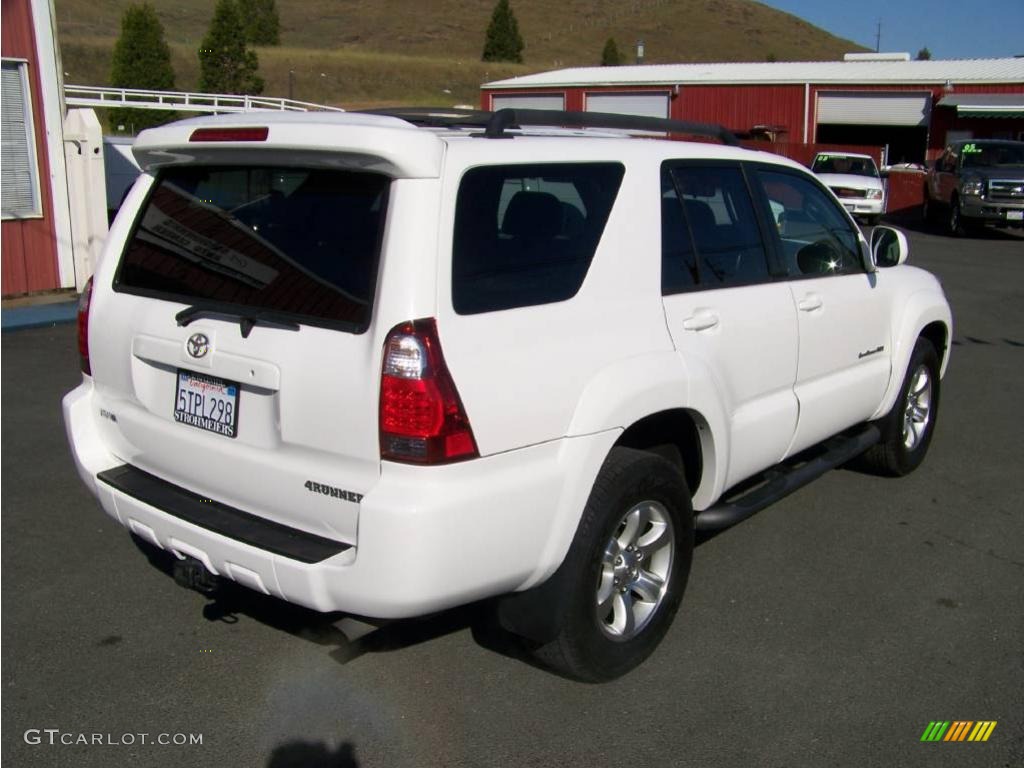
x=914 y=313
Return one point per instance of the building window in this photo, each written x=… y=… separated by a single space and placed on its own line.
x=20 y=170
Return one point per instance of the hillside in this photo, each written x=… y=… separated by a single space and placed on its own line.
x=403 y=50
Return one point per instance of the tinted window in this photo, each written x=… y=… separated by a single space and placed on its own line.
x=525 y=234
x=722 y=221
x=678 y=259
x=293 y=241
x=816 y=237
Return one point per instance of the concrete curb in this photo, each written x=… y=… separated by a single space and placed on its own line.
x=38 y=316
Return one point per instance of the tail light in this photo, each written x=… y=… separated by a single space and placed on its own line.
x=83 y=326
x=422 y=420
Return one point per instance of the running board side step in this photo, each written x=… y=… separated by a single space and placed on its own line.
x=783 y=479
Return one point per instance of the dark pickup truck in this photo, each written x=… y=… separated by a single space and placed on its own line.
x=975 y=182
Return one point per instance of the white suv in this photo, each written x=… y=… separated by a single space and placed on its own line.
x=387 y=366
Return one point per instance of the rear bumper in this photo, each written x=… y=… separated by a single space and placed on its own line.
x=429 y=537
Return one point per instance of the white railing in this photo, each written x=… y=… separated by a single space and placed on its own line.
x=181 y=101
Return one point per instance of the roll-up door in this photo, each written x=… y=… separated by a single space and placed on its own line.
x=868 y=108
x=645 y=104
x=529 y=101
x=20 y=191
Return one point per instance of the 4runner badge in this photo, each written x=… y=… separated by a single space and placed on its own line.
x=198 y=345
x=330 y=490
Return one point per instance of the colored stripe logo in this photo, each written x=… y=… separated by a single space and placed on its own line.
x=958 y=730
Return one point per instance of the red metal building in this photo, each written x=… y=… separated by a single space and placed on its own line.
x=35 y=227
x=907 y=109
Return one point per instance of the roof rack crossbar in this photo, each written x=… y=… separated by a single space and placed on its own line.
x=503 y=119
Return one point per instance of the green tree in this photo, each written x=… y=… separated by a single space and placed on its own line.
x=503 y=41
x=226 y=65
x=924 y=54
x=262 y=25
x=610 y=56
x=141 y=59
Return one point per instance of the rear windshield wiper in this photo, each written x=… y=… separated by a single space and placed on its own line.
x=246 y=320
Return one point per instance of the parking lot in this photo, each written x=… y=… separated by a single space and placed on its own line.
x=828 y=630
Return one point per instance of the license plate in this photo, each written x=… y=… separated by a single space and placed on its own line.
x=1015 y=215
x=206 y=402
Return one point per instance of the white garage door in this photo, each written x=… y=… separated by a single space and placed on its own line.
x=646 y=104
x=535 y=101
x=874 y=108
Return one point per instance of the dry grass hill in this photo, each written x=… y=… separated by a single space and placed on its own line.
x=361 y=52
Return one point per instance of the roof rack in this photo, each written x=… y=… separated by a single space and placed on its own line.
x=504 y=119
x=495 y=124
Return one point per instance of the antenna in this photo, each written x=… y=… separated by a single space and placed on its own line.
x=878 y=37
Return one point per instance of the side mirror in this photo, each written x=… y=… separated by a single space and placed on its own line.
x=889 y=247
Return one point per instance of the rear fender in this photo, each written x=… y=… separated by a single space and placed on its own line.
x=626 y=392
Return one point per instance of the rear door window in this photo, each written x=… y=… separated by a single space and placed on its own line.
x=297 y=242
x=719 y=216
x=526 y=234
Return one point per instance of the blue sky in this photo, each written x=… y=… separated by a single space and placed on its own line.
x=950 y=29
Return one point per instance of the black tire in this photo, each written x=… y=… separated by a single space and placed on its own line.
x=872 y=220
x=955 y=222
x=899 y=452
x=585 y=648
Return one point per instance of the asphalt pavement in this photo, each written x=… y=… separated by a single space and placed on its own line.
x=828 y=630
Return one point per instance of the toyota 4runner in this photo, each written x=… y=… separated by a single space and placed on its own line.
x=386 y=365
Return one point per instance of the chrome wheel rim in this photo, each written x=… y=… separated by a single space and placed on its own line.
x=917 y=411
x=954 y=217
x=635 y=568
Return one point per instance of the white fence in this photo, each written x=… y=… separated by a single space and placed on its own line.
x=181 y=101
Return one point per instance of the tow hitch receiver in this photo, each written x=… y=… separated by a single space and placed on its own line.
x=192 y=574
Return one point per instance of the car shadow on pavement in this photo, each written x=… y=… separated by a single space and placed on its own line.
x=305 y=754
x=229 y=601
x=915 y=223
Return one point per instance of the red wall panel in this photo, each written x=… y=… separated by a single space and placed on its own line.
x=29 y=245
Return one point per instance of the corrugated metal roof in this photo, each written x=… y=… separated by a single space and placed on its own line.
x=982 y=71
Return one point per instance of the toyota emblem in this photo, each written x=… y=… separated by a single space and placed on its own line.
x=198 y=345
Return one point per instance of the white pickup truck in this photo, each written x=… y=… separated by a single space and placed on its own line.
x=390 y=364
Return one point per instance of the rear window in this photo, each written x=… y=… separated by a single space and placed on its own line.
x=292 y=241
x=525 y=234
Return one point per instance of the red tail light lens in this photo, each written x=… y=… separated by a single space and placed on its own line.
x=422 y=420
x=83 y=326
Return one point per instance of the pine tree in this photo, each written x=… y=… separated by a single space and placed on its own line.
x=226 y=65
x=141 y=59
x=924 y=54
x=262 y=25
x=503 y=41
x=610 y=56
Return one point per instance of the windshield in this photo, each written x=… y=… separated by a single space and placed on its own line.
x=979 y=155
x=290 y=241
x=854 y=166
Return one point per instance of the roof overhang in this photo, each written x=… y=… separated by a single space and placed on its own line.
x=985 y=104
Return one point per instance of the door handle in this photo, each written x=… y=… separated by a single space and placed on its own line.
x=700 y=321
x=810 y=302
